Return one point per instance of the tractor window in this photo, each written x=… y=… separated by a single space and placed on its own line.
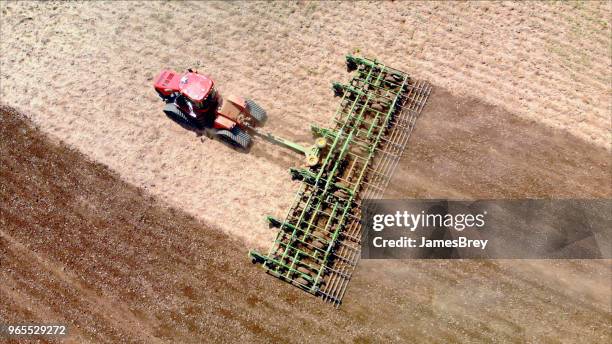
x=199 y=105
x=212 y=95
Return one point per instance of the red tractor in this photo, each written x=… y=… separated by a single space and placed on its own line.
x=193 y=102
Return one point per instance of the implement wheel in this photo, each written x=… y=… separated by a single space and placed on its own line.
x=321 y=142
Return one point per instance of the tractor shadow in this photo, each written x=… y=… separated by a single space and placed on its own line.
x=227 y=144
x=204 y=134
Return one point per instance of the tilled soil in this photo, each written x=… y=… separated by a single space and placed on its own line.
x=80 y=246
x=84 y=72
x=465 y=148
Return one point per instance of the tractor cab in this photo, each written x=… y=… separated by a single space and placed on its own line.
x=196 y=88
x=199 y=90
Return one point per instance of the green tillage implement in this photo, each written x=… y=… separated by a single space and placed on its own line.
x=318 y=243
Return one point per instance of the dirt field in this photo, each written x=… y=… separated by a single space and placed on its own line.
x=81 y=247
x=149 y=229
x=83 y=72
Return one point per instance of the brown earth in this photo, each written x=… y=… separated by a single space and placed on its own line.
x=93 y=240
x=118 y=265
x=79 y=246
x=83 y=72
x=464 y=148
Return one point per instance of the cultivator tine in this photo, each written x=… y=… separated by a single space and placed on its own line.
x=318 y=243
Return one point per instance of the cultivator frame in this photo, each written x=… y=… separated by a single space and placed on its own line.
x=318 y=243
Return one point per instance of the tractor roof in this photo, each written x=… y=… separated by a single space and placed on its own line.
x=167 y=81
x=195 y=86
